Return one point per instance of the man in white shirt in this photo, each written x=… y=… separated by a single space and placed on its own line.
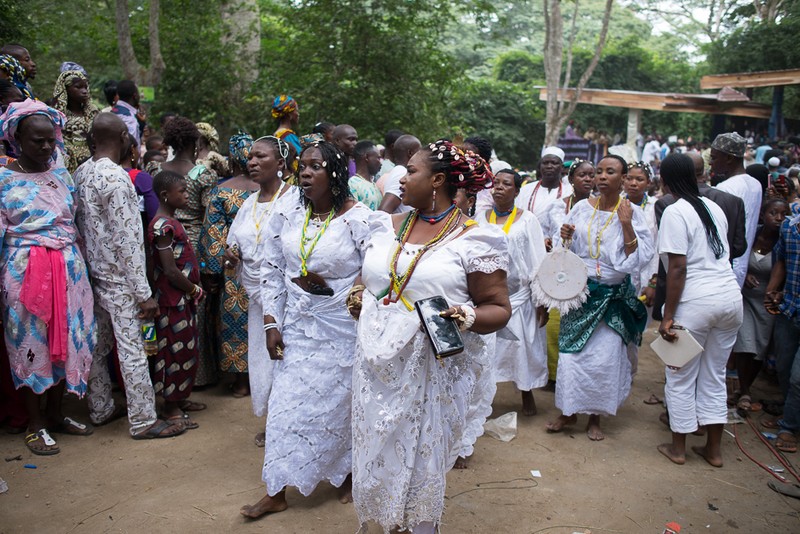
x=405 y=147
x=109 y=221
x=650 y=151
x=536 y=197
x=727 y=163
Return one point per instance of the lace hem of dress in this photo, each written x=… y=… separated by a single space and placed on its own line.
x=487 y=264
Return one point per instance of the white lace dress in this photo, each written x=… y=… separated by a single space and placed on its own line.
x=521 y=352
x=597 y=380
x=409 y=410
x=308 y=432
x=251 y=238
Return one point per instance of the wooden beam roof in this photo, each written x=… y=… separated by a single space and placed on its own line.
x=767 y=78
x=723 y=103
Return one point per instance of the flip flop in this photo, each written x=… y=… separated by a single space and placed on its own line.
x=189 y=406
x=790 y=490
x=156 y=431
x=260 y=439
x=653 y=399
x=48 y=441
x=70 y=426
x=786 y=445
x=183 y=421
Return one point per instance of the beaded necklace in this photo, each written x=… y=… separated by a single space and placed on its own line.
x=398 y=282
x=643 y=203
x=596 y=255
x=532 y=201
x=511 y=216
x=304 y=254
x=433 y=219
x=271 y=204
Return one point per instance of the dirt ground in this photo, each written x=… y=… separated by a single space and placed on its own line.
x=198 y=481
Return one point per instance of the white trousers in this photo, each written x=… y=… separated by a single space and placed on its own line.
x=696 y=393
x=124 y=326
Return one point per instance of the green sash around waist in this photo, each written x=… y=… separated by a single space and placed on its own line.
x=617 y=305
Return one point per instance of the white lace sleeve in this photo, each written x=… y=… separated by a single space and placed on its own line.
x=485 y=250
x=273 y=289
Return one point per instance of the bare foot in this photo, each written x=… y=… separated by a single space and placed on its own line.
x=666 y=450
x=528 y=403
x=714 y=461
x=593 y=429
x=562 y=421
x=461 y=463
x=346 y=490
x=266 y=505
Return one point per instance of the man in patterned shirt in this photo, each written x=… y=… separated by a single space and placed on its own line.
x=786 y=303
x=109 y=221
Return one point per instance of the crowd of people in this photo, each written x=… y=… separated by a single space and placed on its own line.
x=298 y=263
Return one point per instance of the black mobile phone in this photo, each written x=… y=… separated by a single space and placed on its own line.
x=442 y=332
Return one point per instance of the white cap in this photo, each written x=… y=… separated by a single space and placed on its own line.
x=774 y=162
x=499 y=165
x=553 y=151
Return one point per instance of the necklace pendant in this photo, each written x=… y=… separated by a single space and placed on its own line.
x=386 y=301
x=597 y=269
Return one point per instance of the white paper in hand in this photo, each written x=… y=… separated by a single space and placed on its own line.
x=679 y=352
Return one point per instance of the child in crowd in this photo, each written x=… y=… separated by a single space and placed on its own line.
x=175 y=277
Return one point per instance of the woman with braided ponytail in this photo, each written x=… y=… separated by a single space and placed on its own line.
x=410 y=410
x=703 y=297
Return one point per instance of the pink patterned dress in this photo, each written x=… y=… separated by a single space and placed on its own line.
x=38 y=210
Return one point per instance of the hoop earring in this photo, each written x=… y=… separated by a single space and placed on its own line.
x=434 y=201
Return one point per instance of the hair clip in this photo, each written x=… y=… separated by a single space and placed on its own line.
x=333 y=174
x=338 y=156
x=460 y=177
x=440 y=155
x=324 y=163
x=456 y=157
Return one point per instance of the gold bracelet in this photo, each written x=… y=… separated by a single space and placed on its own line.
x=633 y=242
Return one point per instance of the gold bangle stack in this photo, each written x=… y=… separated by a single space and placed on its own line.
x=631 y=243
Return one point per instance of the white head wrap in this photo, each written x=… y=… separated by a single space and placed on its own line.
x=553 y=151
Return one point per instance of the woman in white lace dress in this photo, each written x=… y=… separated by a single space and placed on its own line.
x=521 y=352
x=410 y=409
x=613 y=240
x=314 y=254
x=247 y=238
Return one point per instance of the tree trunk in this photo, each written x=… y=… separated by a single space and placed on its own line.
x=127 y=56
x=242 y=22
x=553 y=49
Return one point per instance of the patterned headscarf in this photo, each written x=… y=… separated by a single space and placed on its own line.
x=239 y=148
x=282 y=106
x=210 y=134
x=70 y=65
x=65 y=79
x=16 y=111
x=16 y=72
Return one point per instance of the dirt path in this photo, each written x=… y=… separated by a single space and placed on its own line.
x=197 y=482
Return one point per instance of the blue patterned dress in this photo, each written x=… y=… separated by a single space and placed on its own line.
x=222 y=209
x=38 y=210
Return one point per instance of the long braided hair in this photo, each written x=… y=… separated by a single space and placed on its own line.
x=677 y=172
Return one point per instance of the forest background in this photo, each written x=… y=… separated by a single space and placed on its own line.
x=433 y=68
